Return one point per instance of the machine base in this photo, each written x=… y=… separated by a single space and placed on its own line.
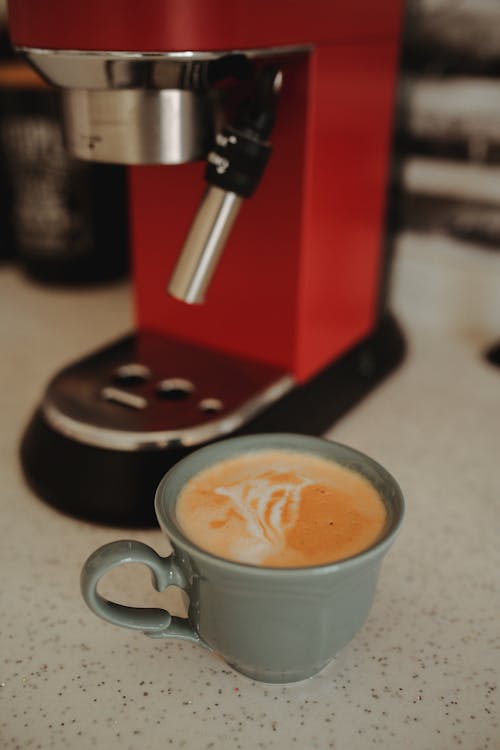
x=116 y=487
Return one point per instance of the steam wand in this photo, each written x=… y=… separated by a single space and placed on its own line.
x=234 y=168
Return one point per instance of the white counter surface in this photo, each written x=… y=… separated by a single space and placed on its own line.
x=421 y=674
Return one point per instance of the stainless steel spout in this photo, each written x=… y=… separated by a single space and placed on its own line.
x=204 y=244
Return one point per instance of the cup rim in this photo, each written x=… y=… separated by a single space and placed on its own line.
x=176 y=535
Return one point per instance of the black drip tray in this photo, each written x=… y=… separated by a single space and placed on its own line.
x=148 y=391
x=148 y=384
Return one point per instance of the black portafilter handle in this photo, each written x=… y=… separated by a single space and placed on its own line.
x=241 y=151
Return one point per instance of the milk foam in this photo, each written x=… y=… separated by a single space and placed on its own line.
x=261 y=502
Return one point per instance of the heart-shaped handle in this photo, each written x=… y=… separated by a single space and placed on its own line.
x=157 y=623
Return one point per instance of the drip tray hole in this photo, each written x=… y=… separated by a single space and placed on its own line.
x=211 y=405
x=132 y=374
x=174 y=389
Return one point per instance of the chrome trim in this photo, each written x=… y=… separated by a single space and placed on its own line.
x=116 y=69
x=285 y=49
x=111 y=439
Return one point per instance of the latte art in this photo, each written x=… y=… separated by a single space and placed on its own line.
x=269 y=507
x=280 y=509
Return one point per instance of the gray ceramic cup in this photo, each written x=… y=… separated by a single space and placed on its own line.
x=276 y=625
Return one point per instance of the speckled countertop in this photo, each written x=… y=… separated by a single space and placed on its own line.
x=422 y=672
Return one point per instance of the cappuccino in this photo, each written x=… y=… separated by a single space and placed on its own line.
x=280 y=508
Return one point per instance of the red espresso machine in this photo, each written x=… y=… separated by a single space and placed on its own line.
x=258 y=137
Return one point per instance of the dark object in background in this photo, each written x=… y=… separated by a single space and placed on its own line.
x=64 y=220
x=493 y=354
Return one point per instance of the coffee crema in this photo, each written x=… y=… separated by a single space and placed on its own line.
x=280 y=508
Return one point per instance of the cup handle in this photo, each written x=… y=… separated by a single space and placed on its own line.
x=156 y=623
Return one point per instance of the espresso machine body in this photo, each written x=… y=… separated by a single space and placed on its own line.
x=257 y=308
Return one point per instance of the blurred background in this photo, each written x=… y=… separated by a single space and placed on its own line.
x=448 y=125
x=444 y=218
x=63 y=220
